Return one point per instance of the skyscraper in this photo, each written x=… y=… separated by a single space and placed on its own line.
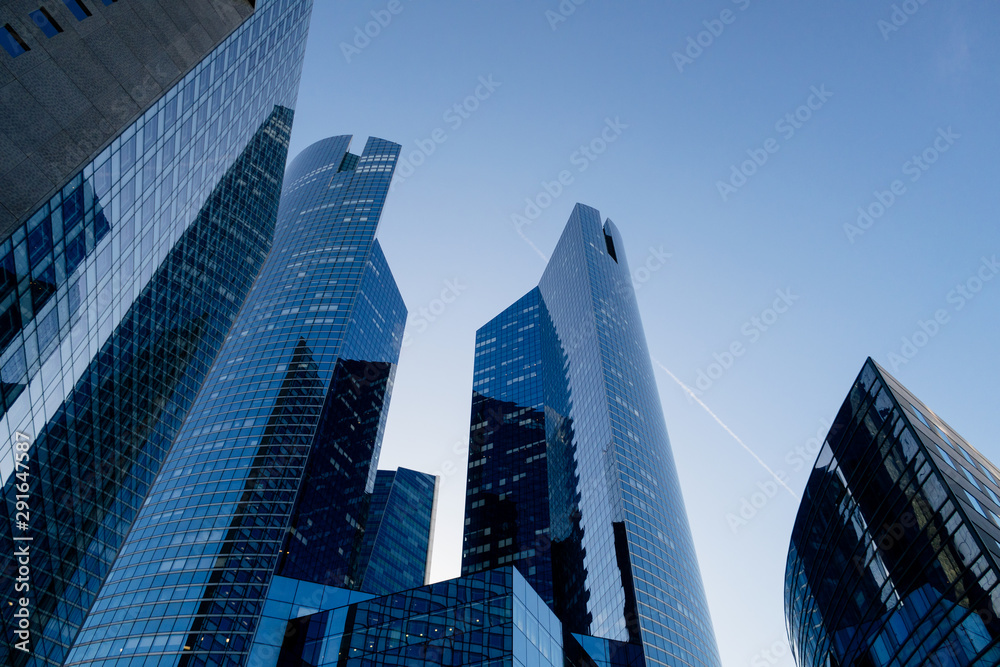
x=77 y=73
x=116 y=296
x=894 y=555
x=395 y=552
x=268 y=473
x=571 y=478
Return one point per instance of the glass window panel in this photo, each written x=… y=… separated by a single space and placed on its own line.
x=77 y=9
x=12 y=42
x=45 y=22
x=39 y=242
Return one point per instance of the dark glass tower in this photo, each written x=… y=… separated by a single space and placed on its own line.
x=395 y=553
x=894 y=554
x=77 y=73
x=268 y=473
x=116 y=296
x=571 y=478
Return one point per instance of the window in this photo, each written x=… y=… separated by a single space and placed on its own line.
x=45 y=22
x=10 y=324
x=971 y=478
x=101 y=225
x=76 y=251
x=8 y=275
x=40 y=242
x=944 y=455
x=920 y=416
x=12 y=42
x=43 y=286
x=975 y=503
x=72 y=209
x=77 y=8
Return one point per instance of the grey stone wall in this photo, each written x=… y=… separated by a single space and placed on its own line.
x=62 y=101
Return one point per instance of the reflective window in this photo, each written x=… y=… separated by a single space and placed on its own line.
x=12 y=42
x=45 y=22
x=77 y=8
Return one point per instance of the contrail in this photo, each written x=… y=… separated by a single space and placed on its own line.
x=691 y=393
x=533 y=246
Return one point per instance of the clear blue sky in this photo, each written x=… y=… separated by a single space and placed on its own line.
x=880 y=96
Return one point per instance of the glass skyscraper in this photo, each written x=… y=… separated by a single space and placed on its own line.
x=894 y=557
x=269 y=471
x=395 y=552
x=571 y=478
x=118 y=294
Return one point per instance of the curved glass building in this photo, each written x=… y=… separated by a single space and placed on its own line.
x=571 y=478
x=894 y=554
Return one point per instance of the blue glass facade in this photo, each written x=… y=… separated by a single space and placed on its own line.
x=507 y=489
x=894 y=554
x=239 y=494
x=395 y=551
x=571 y=477
x=489 y=619
x=117 y=295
